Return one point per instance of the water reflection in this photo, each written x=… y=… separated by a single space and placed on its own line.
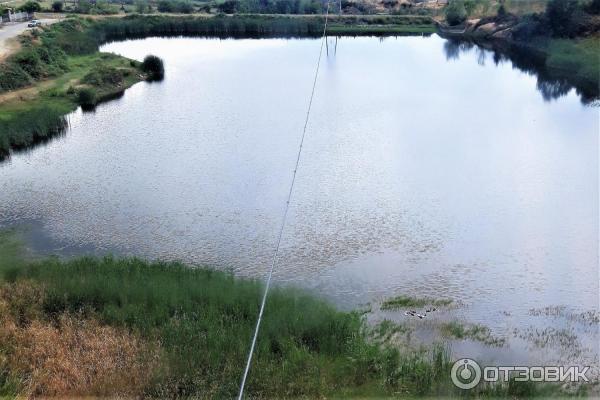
x=419 y=176
x=551 y=84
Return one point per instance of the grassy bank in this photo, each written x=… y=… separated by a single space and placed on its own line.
x=559 y=64
x=558 y=40
x=32 y=115
x=126 y=327
x=54 y=72
x=189 y=331
x=577 y=58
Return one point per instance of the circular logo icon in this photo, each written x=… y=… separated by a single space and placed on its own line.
x=466 y=373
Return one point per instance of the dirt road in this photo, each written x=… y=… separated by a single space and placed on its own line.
x=9 y=31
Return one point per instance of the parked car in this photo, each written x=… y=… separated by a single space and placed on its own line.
x=34 y=23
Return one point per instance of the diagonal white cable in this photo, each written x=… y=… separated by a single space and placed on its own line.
x=285 y=214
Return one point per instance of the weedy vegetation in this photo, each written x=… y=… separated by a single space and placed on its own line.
x=131 y=328
x=399 y=302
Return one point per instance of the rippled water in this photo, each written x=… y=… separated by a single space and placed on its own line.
x=423 y=173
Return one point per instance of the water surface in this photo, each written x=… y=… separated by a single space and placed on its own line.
x=423 y=173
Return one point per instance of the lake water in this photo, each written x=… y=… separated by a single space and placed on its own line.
x=425 y=172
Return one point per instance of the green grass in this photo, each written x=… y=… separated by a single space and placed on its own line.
x=480 y=333
x=579 y=57
x=41 y=116
x=11 y=251
x=407 y=301
x=204 y=319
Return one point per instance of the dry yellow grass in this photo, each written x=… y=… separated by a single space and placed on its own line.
x=69 y=356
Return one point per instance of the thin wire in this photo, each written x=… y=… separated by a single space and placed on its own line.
x=285 y=214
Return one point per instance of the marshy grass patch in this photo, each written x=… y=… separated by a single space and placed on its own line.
x=402 y=301
x=476 y=332
x=113 y=327
x=12 y=250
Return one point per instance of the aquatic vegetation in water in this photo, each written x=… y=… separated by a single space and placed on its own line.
x=407 y=301
x=475 y=332
x=110 y=321
x=591 y=317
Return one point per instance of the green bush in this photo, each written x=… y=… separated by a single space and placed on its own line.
x=561 y=17
x=142 y=6
x=154 y=67
x=29 y=60
x=102 y=75
x=86 y=97
x=175 y=6
x=57 y=6
x=456 y=13
x=30 y=126
x=164 y=6
x=84 y=6
x=31 y=7
x=12 y=77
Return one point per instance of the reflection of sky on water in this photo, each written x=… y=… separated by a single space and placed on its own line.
x=420 y=174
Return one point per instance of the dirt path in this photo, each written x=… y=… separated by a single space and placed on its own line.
x=9 y=32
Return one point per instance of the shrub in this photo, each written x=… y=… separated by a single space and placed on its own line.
x=31 y=125
x=456 y=13
x=470 y=6
x=560 y=16
x=84 y=6
x=165 y=6
x=154 y=67
x=142 y=6
x=501 y=11
x=31 y=7
x=57 y=6
x=170 y=6
x=86 y=97
x=184 y=7
x=104 y=76
x=29 y=60
x=12 y=77
x=227 y=7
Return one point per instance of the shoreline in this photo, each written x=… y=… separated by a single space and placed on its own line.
x=556 y=61
x=37 y=113
x=34 y=103
x=144 y=312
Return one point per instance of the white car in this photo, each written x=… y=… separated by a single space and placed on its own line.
x=34 y=23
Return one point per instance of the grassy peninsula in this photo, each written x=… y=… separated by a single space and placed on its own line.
x=55 y=71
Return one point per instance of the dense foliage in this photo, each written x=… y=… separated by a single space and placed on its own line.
x=31 y=7
x=203 y=321
x=271 y=6
x=562 y=19
x=175 y=6
x=560 y=16
x=57 y=6
x=128 y=328
x=153 y=67
x=33 y=62
x=456 y=13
